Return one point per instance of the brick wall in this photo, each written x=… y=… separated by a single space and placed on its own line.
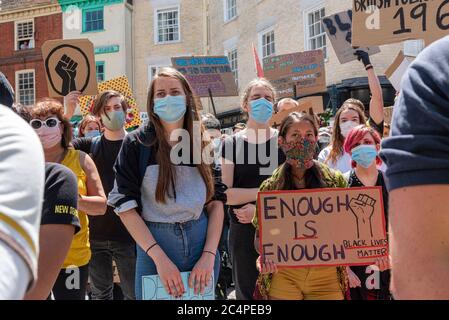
x=46 y=28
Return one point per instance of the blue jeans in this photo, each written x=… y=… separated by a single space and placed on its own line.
x=182 y=243
x=100 y=268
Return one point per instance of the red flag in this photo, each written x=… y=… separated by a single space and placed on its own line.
x=259 y=69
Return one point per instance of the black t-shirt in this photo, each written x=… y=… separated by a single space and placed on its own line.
x=60 y=196
x=361 y=293
x=248 y=166
x=108 y=227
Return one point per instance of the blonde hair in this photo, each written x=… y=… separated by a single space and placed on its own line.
x=254 y=83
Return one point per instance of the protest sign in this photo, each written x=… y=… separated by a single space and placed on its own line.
x=322 y=227
x=397 y=69
x=206 y=73
x=121 y=85
x=315 y=102
x=388 y=21
x=303 y=70
x=69 y=66
x=339 y=30
x=388 y=115
x=153 y=289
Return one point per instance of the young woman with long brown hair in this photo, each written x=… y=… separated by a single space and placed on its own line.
x=350 y=115
x=173 y=211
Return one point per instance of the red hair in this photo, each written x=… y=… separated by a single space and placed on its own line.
x=355 y=138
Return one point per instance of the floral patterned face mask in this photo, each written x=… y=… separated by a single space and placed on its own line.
x=300 y=152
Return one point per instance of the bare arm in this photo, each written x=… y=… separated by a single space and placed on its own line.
x=236 y=196
x=376 y=106
x=94 y=203
x=54 y=242
x=215 y=226
x=419 y=242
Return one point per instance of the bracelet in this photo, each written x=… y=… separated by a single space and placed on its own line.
x=214 y=254
x=370 y=66
x=151 y=247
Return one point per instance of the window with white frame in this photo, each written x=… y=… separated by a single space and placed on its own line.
x=315 y=32
x=25 y=87
x=413 y=47
x=25 y=35
x=268 y=44
x=167 y=21
x=152 y=72
x=233 y=62
x=230 y=9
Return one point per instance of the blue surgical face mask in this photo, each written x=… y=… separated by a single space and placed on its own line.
x=261 y=110
x=171 y=108
x=92 y=134
x=364 y=155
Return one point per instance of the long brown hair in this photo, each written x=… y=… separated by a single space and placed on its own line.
x=337 y=139
x=46 y=107
x=313 y=176
x=166 y=179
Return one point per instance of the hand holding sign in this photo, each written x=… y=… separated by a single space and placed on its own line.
x=363 y=210
x=201 y=274
x=363 y=56
x=170 y=276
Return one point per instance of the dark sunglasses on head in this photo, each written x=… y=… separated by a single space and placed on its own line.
x=49 y=123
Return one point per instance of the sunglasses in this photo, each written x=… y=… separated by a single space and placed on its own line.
x=49 y=123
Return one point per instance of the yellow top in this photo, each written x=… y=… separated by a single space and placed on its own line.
x=79 y=253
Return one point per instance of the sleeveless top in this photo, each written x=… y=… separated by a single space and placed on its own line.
x=79 y=253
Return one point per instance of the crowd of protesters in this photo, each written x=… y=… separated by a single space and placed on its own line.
x=72 y=209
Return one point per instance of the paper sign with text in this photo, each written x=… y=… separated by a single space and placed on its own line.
x=207 y=72
x=339 y=30
x=322 y=227
x=153 y=289
x=315 y=102
x=303 y=70
x=69 y=66
x=390 y=21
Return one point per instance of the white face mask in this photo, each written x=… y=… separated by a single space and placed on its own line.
x=347 y=126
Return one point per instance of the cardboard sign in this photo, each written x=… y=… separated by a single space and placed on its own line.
x=388 y=115
x=339 y=30
x=69 y=66
x=303 y=70
x=397 y=69
x=322 y=227
x=120 y=85
x=153 y=289
x=204 y=73
x=316 y=103
x=391 y=21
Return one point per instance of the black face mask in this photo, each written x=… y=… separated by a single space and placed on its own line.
x=6 y=92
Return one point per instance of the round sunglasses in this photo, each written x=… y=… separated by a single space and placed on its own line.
x=49 y=123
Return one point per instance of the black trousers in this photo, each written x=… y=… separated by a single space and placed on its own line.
x=244 y=256
x=71 y=284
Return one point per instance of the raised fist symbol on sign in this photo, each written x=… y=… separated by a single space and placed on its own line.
x=66 y=69
x=363 y=210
